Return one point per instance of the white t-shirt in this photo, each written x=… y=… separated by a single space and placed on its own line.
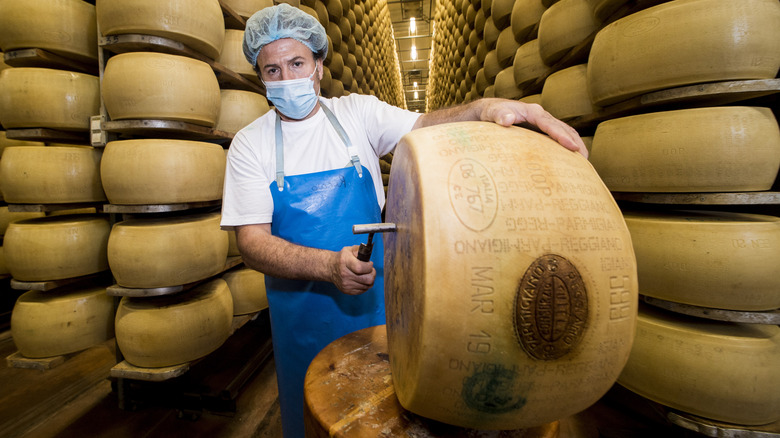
x=310 y=145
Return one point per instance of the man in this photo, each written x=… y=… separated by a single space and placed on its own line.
x=298 y=178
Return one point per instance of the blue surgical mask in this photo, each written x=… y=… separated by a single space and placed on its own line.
x=295 y=98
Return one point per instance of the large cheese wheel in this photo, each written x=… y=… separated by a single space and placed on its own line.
x=501 y=11
x=708 y=259
x=239 y=108
x=247 y=287
x=491 y=34
x=246 y=8
x=506 y=305
x=532 y=98
x=5 y=142
x=718 y=149
x=145 y=85
x=506 y=48
x=722 y=371
x=57 y=247
x=565 y=93
x=32 y=97
x=528 y=64
x=564 y=25
x=171 y=330
x=525 y=15
x=492 y=67
x=232 y=55
x=53 y=323
x=51 y=174
x=6 y=217
x=197 y=23
x=157 y=171
x=161 y=252
x=64 y=27
x=684 y=42
x=505 y=85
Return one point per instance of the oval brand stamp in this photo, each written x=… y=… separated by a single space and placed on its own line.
x=551 y=308
x=473 y=194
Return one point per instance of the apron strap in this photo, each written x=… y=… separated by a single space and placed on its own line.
x=351 y=150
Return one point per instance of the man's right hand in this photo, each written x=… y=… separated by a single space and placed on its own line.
x=349 y=274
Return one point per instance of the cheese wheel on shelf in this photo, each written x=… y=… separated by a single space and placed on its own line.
x=146 y=85
x=505 y=85
x=197 y=23
x=232 y=245
x=525 y=15
x=32 y=97
x=232 y=54
x=532 y=98
x=722 y=371
x=501 y=11
x=719 y=149
x=56 y=247
x=506 y=48
x=602 y=9
x=53 y=323
x=64 y=27
x=528 y=65
x=564 y=25
x=172 y=330
x=491 y=34
x=247 y=287
x=684 y=42
x=51 y=174
x=710 y=259
x=161 y=171
x=6 y=217
x=565 y=93
x=161 y=252
x=247 y=8
x=511 y=277
x=492 y=67
x=3 y=65
x=5 y=142
x=239 y=108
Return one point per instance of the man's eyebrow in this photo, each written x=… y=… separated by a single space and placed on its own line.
x=296 y=58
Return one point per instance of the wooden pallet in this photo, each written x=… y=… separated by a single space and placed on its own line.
x=35 y=57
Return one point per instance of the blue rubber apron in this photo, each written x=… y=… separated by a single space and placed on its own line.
x=318 y=210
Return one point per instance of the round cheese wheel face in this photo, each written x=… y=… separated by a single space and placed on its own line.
x=247 y=287
x=246 y=8
x=146 y=85
x=525 y=15
x=718 y=370
x=510 y=285
x=197 y=23
x=53 y=323
x=684 y=42
x=64 y=27
x=528 y=65
x=51 y=174
x=159 y=171
x=565 y=93
x=710 y=259
x=564 y=25
x=232 y=55
x=32 y=97
x=172 y=330
x=56 y=247
x=161 y=252
x=719 y=149
x=239 y=108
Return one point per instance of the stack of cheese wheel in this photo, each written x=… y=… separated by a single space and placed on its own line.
x=161 y=171
x=684 y=42
x=65 y=27
x=524 y=264
x=239 y=108
x=51 y=174
x=565 y=93
x=246 y=8
x=175 y=329
x=722 y=371
x=563 y=26
x=68 y=320
x=199 y=24
x=709 y=259
x=56 y=247
x=32 y=97
x=146 y=85
x=232 y=55
x=247 y=287
x=163 y=252
x=718 y=149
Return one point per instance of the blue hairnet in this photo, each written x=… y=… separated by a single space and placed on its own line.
x=283 y=21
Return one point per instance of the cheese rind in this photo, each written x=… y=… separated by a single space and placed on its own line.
x=496 y=227
x=528 y=65
x=247 y=287
x=57 y=247
x=239 y=108
x=152 y=253
x=53 y=323
x=246 y=8
x=710 y=259
x=565 y=93
x=564 y=25
x=6 y=217
x=684 y=42
x=722 y=371
x=158 y=171
x=719 y=149
x=171 y=330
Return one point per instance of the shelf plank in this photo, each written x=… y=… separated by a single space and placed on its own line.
x=125 y=370
x=734 y=198
x=45 y=286
x=768 y=317
x=16 y=360
x=48 y=208
x=158 y=208
x=712 y=428
x=173 y=128
x=48 y=135
x=35 y=57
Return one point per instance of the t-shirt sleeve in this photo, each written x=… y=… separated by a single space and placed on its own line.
x=386 y=124
x=246 y=197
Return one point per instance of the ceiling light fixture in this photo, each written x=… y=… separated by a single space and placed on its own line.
x=412 y=26
x=413 y=53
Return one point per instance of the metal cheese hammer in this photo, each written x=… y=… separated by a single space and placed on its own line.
x=364 y=253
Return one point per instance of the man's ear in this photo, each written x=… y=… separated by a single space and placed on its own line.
x=320 y=64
